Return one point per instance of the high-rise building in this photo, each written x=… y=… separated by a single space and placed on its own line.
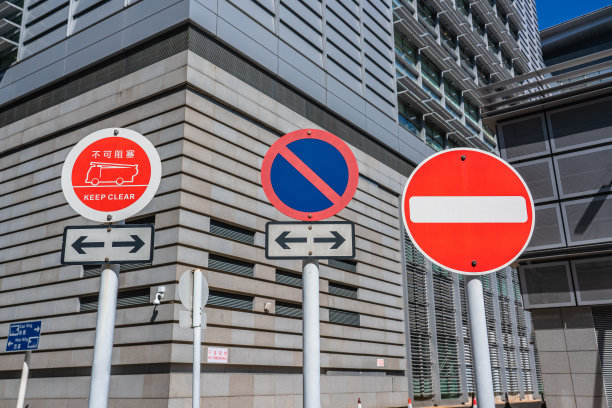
x=213 y=84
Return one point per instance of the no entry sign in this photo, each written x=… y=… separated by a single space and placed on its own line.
x=309 y=174
x=468 y=211
x=111 y=174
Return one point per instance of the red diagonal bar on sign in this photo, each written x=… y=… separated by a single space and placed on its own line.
x=310 y=175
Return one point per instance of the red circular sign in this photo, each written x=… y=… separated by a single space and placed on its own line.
x=468 y=211
x=111 y=174
x=309 y=174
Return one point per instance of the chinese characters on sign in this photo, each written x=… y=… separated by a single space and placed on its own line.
x=217 y=355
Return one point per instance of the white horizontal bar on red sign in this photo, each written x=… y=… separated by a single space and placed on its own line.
x=467 y=209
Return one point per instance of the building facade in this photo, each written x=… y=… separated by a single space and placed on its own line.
x=213 y=84
x=556 y=133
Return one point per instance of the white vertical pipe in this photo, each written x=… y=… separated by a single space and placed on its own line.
x=310 y=336
x=197 y=336
x=103 y=345
x=24 y=379
x=480 y=342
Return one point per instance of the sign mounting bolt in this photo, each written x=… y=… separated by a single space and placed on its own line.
x=309 y=215
x=106 y=259
x=309 y=132
x=108 y=229
x=309 y=252
x=310 y=227
x=474 y=263
x=463 y=157
x=109 y=217
x=116 y=132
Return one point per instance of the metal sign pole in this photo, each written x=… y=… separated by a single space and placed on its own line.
x=103 y=345
x=196 y=313
x=480 y=342
x=24 y=379
x=310 y=334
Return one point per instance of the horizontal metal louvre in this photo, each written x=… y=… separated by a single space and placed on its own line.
x=230 y=300
x=602 y=320
x=124 y=298
x=342 y=290
x=224 y=264
x=232 y=232
x=446 y=333
x=96 y=270
x=420 y=347
x=288 y=278
x=343 y=317
x=288 y=309
x=345 y=265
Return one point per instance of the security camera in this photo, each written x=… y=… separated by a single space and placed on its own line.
x=161 y=291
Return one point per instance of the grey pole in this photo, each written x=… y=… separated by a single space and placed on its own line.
x=480 y=342
x=197 y=336
x=24 y=379
x=310 y=334
x=103 y=344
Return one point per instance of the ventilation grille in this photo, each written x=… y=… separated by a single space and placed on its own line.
x=124 y=298
x=230 y=300
x=96 y=270
x=345 y=265
x=229 y=231
x=288 y=278
x=224 y=264
x=288 y=309
x=342 y=290
x=343 y=317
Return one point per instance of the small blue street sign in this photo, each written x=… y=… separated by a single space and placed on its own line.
x=23 y=336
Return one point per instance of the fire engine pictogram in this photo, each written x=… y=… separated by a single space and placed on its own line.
x=109 y=173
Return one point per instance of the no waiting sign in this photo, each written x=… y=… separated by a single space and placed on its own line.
x=468 y=211
x=111 y=174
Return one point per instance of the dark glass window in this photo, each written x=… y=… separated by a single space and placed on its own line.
x=427 y=13
x=483 y=76
x=405 y=48
x=448 y=37
x=514 y=31
x=466 y=57
x=507 y=61
x=478 y=24
x=472 y=110
x=493 y=44
x=452 y=92
x=463 y=6
x=501 y=13
x=430 y=71
x=434 y=137
x=409 y=119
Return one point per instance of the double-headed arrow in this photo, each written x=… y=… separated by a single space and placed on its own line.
x=136 y=244
x=283 y=240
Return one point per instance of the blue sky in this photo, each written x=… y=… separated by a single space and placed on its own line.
x=552 y=12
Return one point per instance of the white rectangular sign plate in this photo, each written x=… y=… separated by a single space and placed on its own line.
x=310 y=240
x=218 y=355
x=115 y=244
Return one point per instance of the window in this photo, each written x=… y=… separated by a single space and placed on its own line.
x=472 y=111
x=514 y=31
x=493 y=44
x=342 y=290
x=463 y=6
x=434 y=137
x=408 y=118
x=448 y=37
x=222 y=263
x=345 y=265
x=492 y=2
x=507 y=61
x=431 y=92
x=405 y=48
x=288 y=309
x=503 y=16
x=230 y=300
x=343 y=317
x=124 y=298
x=402 y=70
x=430 y=71
x=479 y=25
x=229 y=231
x=288 y=278
x=451 y=92
x=427 y=13
x=466 y=57
x=483 y=76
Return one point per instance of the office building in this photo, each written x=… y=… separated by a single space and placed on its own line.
x=213 y=84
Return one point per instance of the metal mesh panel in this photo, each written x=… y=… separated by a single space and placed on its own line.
x=602 y=319
x=288 y=309
x=232 y=232
x=342 y=290
x=288 y=278
x=419 y=323
x=589 y=221
x=124 y=298
x=446 y=333
x=587 y=172
x=539 y=179
x=222 y=263
x=547 y=231
x=522 y=138
x=343 y=317
x=230 y=300
x=581 y=124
